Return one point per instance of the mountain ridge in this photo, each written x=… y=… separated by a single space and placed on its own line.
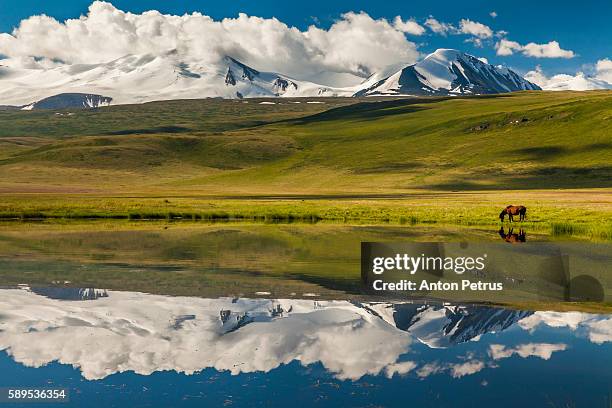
x=145 y=78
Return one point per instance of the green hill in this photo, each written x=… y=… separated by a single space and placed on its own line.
x=530 y=140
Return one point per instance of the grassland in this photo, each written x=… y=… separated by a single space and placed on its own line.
x=583 y=214
x=399 y=161
x=537 y=140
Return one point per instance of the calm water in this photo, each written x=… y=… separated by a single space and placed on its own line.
x=131 y=349
x=271 y=315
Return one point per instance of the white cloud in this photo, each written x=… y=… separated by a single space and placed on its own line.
x=563 y=82
x=477 y=42
x=551 y=49
x=439 y=27
x=501 y=33
x=356 y=43
x=466 y=26
x=604 y=70
x=475 y=28
x=408 y=26
x=541 y=350
x=506 y=47
x=493 y=14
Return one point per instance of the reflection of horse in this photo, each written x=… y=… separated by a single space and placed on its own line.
x=511 y=237
x=513 y=210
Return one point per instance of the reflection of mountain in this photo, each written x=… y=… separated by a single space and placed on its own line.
x=70 y=293
x=232 y=321
x=147 y=333
x=446 y=325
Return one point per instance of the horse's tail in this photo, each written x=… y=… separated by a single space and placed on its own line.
x=525 y=213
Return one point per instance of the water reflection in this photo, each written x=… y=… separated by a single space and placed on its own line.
x=512 y=237
x=126 y=331
x=67 y=293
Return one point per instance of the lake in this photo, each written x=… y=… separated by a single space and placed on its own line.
x=160 y=315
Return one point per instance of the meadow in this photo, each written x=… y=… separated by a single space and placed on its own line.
x=532 y=140
x=446 y=161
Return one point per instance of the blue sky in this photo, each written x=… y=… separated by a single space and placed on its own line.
x=583 y=28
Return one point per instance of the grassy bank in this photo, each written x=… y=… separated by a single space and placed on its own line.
x=584 y=213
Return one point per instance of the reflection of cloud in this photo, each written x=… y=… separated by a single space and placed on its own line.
x=542 y=350
x=147 y=333
x=597 y=328
x=399 y=368
x=600 y=331
x=429 y=369
x=457 y=370
x=137 y=332
x=467 y=368
x=554 y=319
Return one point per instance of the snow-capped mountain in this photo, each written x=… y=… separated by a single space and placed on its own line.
x=139 y=79
x=144 y=78
x=243 y=81
x=70 y=101
x=447 y=72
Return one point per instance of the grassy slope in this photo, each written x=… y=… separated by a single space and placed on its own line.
x=166 y=158
x=560 y=141
x=519 y=141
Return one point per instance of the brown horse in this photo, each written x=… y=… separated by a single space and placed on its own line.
x=513 y=210
x=511 y=237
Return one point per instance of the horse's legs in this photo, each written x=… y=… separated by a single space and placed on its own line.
x=510 y=218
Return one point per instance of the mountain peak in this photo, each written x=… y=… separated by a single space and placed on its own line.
x=449 y=72
x=447 y=53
